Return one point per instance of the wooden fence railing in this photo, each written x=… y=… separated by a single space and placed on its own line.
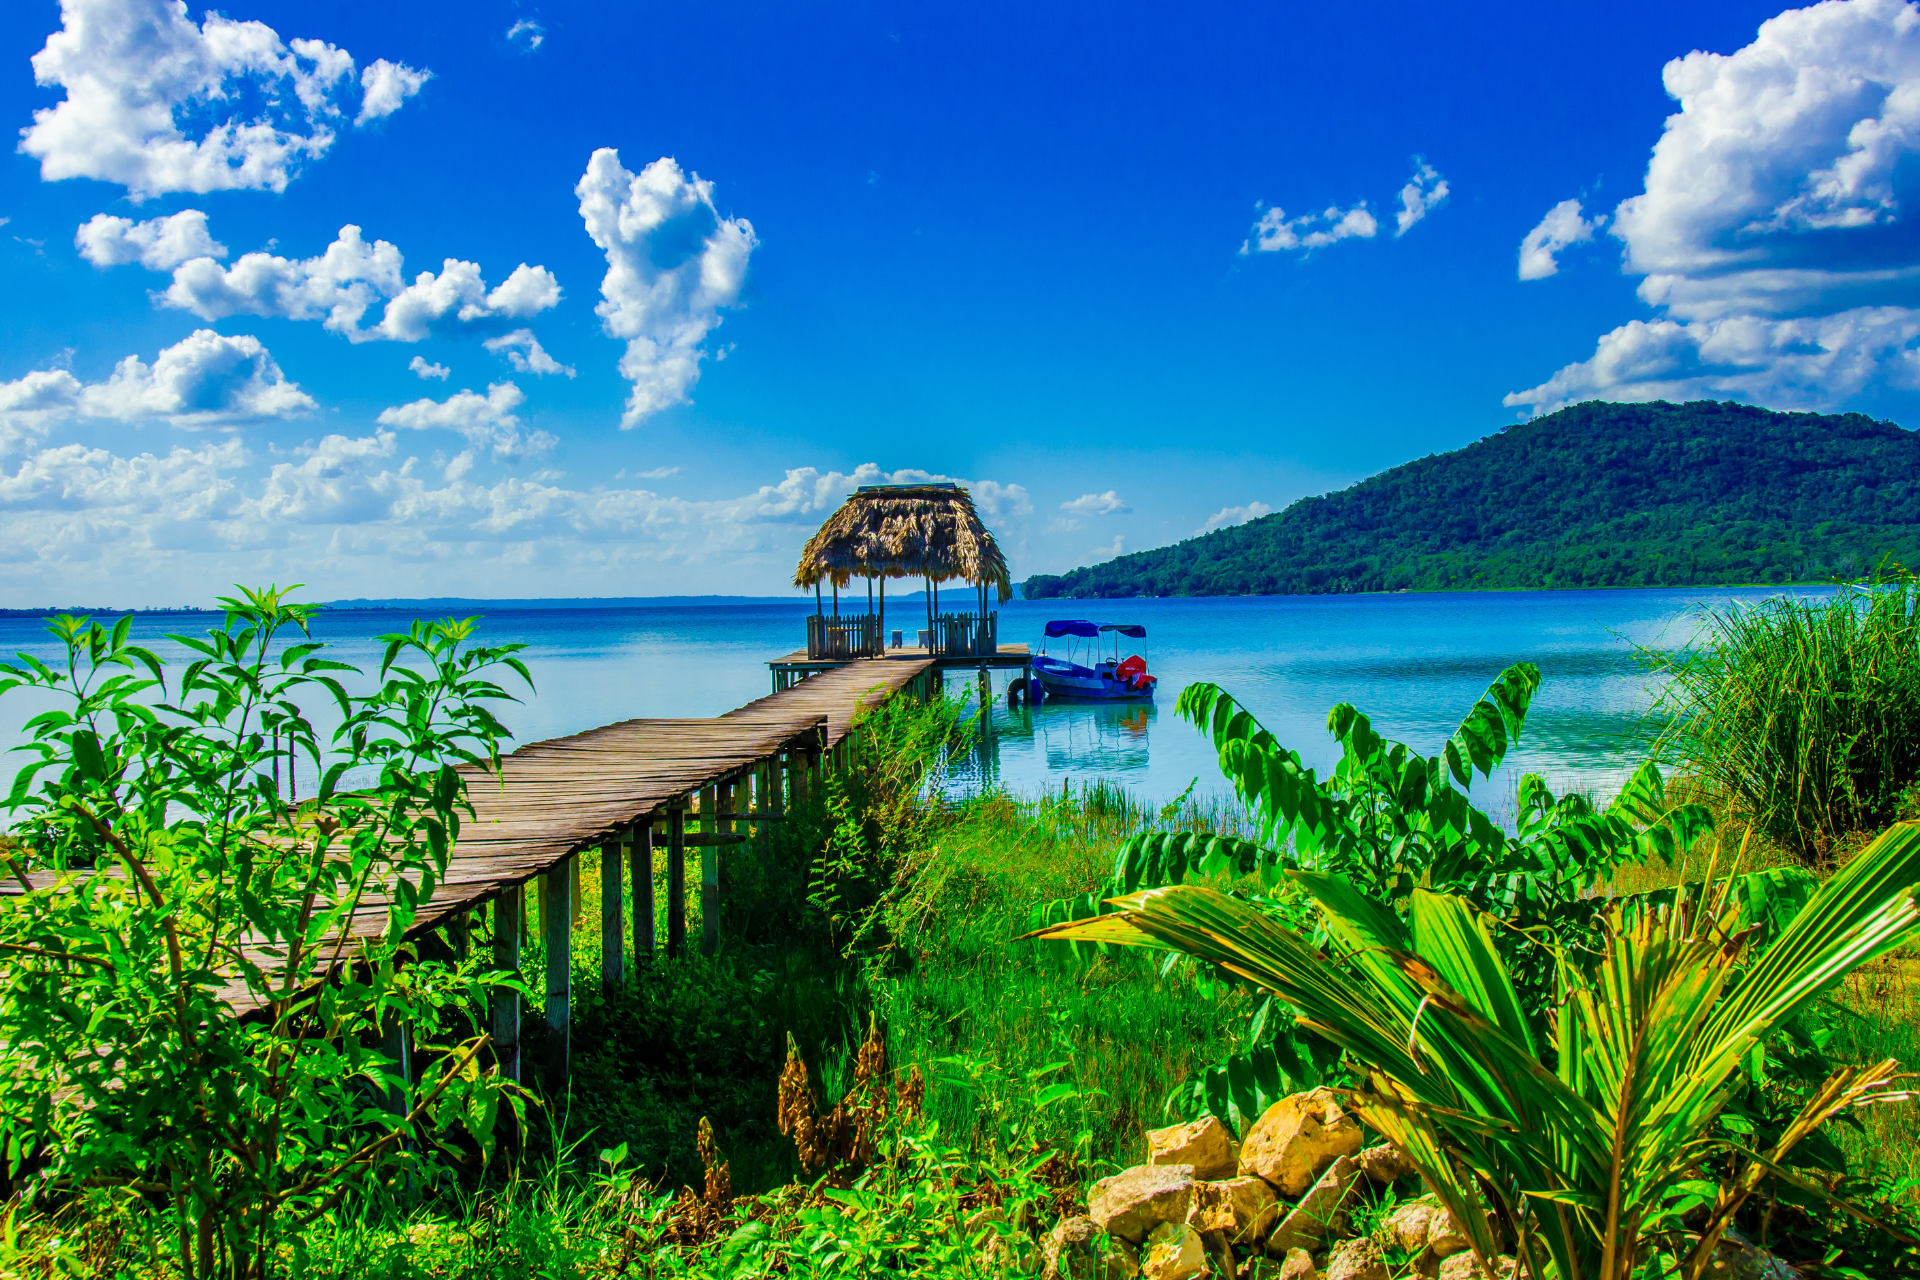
x=965 y=635
x=845 y=636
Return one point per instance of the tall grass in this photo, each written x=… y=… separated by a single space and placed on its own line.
x=1801 y=717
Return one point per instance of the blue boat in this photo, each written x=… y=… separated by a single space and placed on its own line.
x=1108 y=679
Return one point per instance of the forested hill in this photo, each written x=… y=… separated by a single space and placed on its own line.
x=1598 y=495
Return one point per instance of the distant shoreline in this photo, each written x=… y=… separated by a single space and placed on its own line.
x=444 y=604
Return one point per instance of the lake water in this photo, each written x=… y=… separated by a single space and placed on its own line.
x=1413 y=662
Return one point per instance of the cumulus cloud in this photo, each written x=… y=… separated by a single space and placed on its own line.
x=338 y=286
x=1772 y=236
x=527 y=34
x=1276 y=232
x=206 y=379
x=1228 y=516
x=1423 y=193
x=488 y=422
x=1806 y=362
x=672 y=264
x=1562 y=226
x=134 y=70
x=385 y=88
x=1098 y=554
x=1096 y=504
x=421 y=367
x=524 y=352
x=158 y=244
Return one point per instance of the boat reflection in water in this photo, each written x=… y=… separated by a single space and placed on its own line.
x=1081 y=740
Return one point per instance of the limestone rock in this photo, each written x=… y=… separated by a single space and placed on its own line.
x=1241 y=1209
x=1409 y=1227
x=1384 y=1163
x=1463 y=1266
x=1076 y=1250
x=1320 y=1213
x=1133 y=1201
x=1736 y=1259
x=1172 y=1252
x=1445 y=1237
x=1204 y=1144
x=1297 y=1138
x=1298 y=1265
x=1356 y=1260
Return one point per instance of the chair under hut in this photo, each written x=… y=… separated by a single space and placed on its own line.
x=928 y=531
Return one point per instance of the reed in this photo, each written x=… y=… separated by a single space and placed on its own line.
x=1801 y=717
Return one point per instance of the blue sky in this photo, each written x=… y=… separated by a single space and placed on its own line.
x=1129 y=271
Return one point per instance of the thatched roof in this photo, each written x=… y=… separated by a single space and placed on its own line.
x=904 y=531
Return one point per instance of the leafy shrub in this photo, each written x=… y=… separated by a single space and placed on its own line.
x=205 y=983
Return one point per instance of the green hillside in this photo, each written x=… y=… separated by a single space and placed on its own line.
x=1598 y=495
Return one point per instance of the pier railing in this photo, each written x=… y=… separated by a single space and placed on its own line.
x=965 y=635
x=845 y=636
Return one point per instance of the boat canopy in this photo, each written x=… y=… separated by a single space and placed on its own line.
x=1132 y=630
x=1072 y=627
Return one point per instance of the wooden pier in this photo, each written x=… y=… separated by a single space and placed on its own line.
x=794 y=668
x=628 y=793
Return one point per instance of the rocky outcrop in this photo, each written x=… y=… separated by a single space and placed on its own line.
x=1204 y=1144
x=1356 y=1260
x=1384 y=1164
x=1172 y=1252
x=1076 y=1249
x=1321 y=1214
x=1299 y=1136
x=1241 y=1209
x=1134 y=1201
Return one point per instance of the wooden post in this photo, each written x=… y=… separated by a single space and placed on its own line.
x=772 y=794
x=709 y=871
x=397 y=1045
x=796 y=776
x=506 y=1004
x=676 y=882
x=613 y=948
x=558 y=922
x=640 y=862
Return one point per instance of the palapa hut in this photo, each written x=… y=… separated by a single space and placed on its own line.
x=929 y=531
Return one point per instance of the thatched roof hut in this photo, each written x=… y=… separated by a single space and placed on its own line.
x=905 y=531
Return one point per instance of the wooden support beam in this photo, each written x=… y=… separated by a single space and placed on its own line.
x=640 y=864
x=613 y=942
x=797 y=777
x=558 y=922
x=396 y=1043
x=506 y=1004
x=709 y=870
x=676 y=883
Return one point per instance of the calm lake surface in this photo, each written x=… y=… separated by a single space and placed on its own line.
x=1413 y=662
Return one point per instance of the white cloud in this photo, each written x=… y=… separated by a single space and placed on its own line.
x=386 y=86
x=1098 y=554
x=1562 y=226
x=1275 y=231
x=657 y=473
x=1228 y=516
x=1802 y=363
x=1097 y=504
x=525 y=353
x=133 y=70
x=338 y=286
x=488 y=422
x=158 y=244
x=1001 y=502
x=421 y=367
x=1770 y=234
x=527 y=33
x=1423 y=193
x=205 y=379
x=672 y=263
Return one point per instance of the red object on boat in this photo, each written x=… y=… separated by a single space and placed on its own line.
x=1133 y=673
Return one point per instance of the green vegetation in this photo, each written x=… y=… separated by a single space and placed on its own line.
x=174 y=890
x=1800 y=716
x=872 y=1077
x=1597 y=495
